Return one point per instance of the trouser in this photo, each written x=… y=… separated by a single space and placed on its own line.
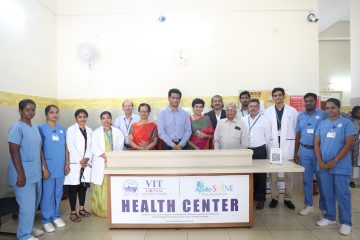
x=259 y=178
x=77 y=191
x=288 y=186
x=28 y=198
x=51 y=198
x=336 y=187
x=167 y=147
x=309 y=161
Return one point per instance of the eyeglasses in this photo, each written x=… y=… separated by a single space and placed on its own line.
x=230 y=110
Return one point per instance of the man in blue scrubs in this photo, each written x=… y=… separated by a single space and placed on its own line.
x=306 y=125
x=24 y=168
x=54 y=169
x=333 y=142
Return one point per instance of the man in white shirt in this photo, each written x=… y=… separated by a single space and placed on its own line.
x=230 y=132
x=244 y=98
x=259 y=134
x=283 y=122
x=124 y=121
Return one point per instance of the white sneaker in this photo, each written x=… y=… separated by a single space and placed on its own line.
x=345 y=230
x=33 y=238
x=37 y=232
x=324 y=222
x=49 y=227
x=306 y=210
x=59 y=223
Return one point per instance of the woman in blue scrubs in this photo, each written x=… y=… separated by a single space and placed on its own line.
x=24 y=168
x=333 y=142
x=55 y=162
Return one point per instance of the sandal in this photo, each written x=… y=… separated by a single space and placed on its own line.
x=74 y=217
x=84 y=213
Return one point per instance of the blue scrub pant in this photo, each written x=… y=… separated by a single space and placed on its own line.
x=28 y=198
x=336 y=187
x=309 y=161
x=51 y=199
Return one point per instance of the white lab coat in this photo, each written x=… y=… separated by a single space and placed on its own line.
x=98 y=148
x=288 y=124
x=76 y=145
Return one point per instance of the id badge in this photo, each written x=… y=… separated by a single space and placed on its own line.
x=55 y=138
x=310 y=131
x=331 y=134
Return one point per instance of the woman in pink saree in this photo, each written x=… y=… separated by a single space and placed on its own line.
x=203 y=131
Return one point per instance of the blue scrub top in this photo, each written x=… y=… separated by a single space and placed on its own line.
x=29 y=139
x=307 y=124
x=331 y=146
x=54 y=140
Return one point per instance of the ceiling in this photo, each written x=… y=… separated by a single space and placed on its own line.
x=332 y=11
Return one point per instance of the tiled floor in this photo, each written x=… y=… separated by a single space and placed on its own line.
x=270 y=224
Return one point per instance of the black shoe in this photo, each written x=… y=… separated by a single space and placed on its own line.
x=352 y=184
x=260 y=205
x=273 y=203
x=289 y=204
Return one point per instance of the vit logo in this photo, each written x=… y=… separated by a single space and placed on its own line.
x=130 y=187
x=154 y=183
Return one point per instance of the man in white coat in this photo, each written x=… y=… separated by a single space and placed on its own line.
x=283 y=120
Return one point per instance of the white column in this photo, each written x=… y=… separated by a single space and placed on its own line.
x=355 y=51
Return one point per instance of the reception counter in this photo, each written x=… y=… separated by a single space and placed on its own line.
x=184 y=189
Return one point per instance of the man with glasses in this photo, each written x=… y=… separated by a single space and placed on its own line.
x=174 y=125
x=124 y=121
x=283 y=122
x=230 y=132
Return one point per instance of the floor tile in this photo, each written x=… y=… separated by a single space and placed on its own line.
x=127 y=234
x=166 y=234
x=295 y=234
x=280 y=221
x=251 y=234
x=208 y=234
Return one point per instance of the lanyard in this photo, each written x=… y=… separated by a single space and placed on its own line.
x=126 y=125
x=110 y=138
x=278 y=119
x=250 y=127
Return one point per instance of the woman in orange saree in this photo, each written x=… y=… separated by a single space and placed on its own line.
x=143 y=134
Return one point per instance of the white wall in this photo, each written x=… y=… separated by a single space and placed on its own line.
x=28 y=47
x=232 y=44
x=334 y=58
x=355 y=51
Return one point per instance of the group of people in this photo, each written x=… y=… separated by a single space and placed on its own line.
x=46 y=158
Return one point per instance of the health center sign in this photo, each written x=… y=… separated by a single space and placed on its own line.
x=180 y=199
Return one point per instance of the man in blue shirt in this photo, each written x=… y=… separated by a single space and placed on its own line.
x=306 y=125
x=174 y=125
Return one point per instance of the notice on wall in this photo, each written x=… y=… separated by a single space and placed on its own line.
x=180 y=199
x=298 y=102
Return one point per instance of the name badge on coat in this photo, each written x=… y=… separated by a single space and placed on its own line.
x=55 y=138
x=331 y=134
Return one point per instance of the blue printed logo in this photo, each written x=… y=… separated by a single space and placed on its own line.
x=130 y=187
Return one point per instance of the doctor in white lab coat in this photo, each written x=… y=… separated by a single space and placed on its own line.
x=105 y=139
x=78 y=139
x=283 y=119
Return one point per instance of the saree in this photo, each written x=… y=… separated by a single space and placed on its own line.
x=143 y=134
x=204 y=125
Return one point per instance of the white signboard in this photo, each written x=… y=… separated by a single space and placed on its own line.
x=180 y=199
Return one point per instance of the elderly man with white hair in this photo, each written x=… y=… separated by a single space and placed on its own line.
x=230 y=132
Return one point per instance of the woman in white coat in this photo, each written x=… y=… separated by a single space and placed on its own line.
x=105 y=139
x=78 y=139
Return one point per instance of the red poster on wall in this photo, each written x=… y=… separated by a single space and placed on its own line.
x=298 y=102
